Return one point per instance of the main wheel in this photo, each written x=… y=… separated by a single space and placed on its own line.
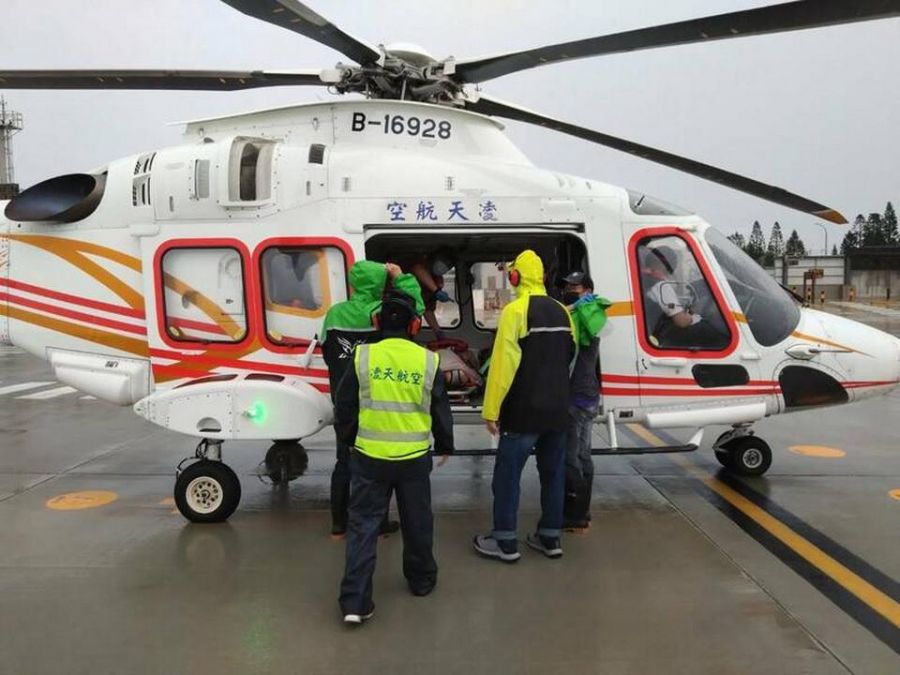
x=207 y=492
x=749 y=456
x=286 y=461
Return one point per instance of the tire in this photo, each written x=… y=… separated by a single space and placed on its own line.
x=207 y=492
x=723 y=457
x=749 y=456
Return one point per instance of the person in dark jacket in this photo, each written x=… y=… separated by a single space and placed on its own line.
x=387 y=406
x=588 y=317
x=526 y=403
x=347 y=325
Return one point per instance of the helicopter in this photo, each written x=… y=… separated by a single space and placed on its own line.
x=191 y=282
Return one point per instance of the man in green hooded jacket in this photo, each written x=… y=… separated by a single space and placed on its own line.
x=348 y=324
x=588 y=317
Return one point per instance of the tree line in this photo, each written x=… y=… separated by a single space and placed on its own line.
x=876 y=230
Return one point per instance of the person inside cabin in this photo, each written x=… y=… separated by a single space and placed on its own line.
x=429 y=272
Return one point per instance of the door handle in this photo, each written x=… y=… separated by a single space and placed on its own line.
x=669 y=361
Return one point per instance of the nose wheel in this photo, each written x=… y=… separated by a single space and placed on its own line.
x=745 y=455
x=207 y=491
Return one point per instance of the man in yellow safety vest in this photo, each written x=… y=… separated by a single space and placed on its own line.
x=386 y=407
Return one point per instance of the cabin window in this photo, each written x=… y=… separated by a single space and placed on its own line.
x=771 y=313
x=679 y=308
x=491 y=292
x=250 y=170
x=299 y=284
x=203 y=294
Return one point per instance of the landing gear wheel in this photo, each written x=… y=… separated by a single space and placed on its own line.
x=207 y=492
x=286 y=461
x=723 y=457
x=749 y=456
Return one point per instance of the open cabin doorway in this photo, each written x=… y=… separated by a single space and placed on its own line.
x=473 y=275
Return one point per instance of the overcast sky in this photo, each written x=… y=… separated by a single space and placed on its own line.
x=816 y=112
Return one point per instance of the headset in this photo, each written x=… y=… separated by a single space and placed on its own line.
x=408 y=304
x=515 y=278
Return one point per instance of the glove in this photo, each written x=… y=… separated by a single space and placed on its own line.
x=586 y=299
x=441 y=295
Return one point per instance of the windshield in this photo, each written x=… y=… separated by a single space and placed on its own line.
x=770 y=311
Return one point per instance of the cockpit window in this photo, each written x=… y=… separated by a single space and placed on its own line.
x=680 y=311
x=770 y=311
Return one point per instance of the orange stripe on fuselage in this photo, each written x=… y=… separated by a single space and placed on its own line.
x=120 y=342
x=73 y=251
x=813 y=338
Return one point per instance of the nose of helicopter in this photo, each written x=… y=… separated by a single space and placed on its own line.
x=867 y=358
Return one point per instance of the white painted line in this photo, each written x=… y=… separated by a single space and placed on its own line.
x=88 y=398
x=50 y=393
x=23 y=386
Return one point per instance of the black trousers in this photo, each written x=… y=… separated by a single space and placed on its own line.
x=370 y=492
x=340 y=487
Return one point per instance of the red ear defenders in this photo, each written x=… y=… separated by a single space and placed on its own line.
x=514 y=277
x=415 y=324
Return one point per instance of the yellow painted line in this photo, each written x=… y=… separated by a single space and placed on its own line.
x=862 y=589
x=645 y=433
x=74 y=501
x=895 y=494
x=168 y=501
x=817 y=451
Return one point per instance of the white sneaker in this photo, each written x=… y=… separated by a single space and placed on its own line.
x=357 y=619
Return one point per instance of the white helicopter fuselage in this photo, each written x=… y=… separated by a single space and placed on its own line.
x=166 y=296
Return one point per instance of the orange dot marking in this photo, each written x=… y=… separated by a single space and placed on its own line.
x=88 y=499
x=895 y=494
x=817 y=451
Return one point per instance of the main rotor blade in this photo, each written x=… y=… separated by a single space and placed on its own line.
x=296 y=16
x=489 y=106
x=788 y=16
x=211 y=80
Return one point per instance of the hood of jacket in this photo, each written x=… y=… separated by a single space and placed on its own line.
x=531 y=274
x=367 y=279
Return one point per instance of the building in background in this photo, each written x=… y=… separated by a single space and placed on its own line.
x=873 y=272
x=10 y=124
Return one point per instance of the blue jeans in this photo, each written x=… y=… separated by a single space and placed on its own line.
x=512 y=453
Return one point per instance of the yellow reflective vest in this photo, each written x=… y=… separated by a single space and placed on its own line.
x=396 y=377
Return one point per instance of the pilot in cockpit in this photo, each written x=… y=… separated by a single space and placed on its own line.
x=672 y=320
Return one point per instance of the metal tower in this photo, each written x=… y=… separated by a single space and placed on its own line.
x=10 y=124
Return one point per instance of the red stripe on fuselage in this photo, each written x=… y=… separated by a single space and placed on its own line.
x=214 y=361
x=70 y=314
x=73 y=299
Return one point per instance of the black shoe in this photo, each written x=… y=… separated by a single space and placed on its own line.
x=549 y=546
x=576 y=524
x=421 y=590
x=506 y=550
x=338 y=530
x=389 y=527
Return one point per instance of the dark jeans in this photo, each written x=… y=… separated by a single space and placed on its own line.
x=512 y=453
x=579 y=463
x=370 y=492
